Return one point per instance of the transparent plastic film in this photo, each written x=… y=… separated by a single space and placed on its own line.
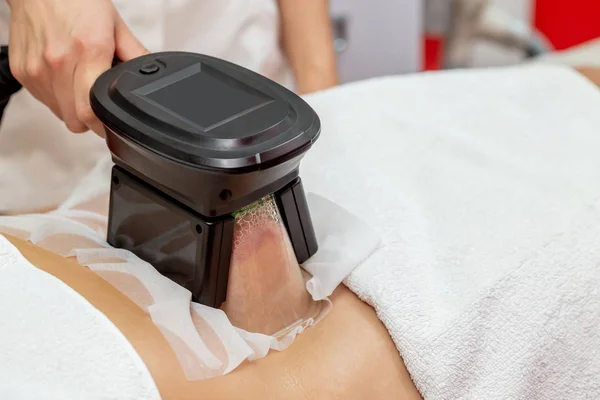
x=267 y=288
x=270 y=299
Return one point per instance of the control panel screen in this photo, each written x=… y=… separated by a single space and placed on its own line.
x=207 y=98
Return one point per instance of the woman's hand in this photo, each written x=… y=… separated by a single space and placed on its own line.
x=58 y=48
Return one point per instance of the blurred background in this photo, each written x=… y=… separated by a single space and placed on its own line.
x=384 y=37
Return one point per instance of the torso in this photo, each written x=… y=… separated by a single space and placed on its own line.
x=348 y=355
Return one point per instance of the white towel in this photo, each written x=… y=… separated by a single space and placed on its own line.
x=54 y=345
x=484 y=188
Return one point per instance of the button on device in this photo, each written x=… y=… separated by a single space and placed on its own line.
x=148 y=69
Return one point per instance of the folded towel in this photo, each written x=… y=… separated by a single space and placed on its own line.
x=484 y=187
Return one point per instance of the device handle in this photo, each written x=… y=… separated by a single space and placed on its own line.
x=8 y=84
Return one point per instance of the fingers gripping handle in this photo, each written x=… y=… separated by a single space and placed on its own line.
x=9 y=84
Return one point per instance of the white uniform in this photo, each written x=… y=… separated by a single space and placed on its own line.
x=41 y=161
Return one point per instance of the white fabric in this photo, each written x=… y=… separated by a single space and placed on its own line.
x=54 y=345
x=38 y=154
x=484 y=186
x=584 y=55
x=344 y=242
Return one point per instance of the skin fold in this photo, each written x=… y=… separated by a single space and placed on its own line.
x=266 y=292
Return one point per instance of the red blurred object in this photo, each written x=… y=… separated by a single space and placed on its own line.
x=433 y=52
x=567 y=23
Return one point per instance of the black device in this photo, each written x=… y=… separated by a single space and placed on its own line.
x=195 y=139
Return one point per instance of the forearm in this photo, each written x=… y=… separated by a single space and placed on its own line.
x=308 y=44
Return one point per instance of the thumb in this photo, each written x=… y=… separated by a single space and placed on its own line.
x=126 y=44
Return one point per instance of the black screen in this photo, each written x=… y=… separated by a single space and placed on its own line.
x=207 y=98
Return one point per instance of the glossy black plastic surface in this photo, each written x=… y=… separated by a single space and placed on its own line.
x=208 y=192
x=204 y=112
x=186 y=248
x=212 y=135
x=292 y=205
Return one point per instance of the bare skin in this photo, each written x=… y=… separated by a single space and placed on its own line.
x=349 y=355
x=58 y=49
x=591 y=73
x=266 y=291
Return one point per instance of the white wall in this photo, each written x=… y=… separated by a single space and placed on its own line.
x=384 y=37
